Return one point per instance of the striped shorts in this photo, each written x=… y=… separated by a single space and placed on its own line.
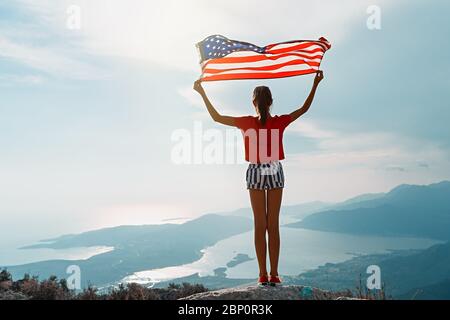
x=265 y=176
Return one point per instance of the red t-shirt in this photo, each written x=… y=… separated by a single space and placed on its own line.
x=263 y=144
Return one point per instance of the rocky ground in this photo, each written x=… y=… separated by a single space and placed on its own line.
x=290 y=292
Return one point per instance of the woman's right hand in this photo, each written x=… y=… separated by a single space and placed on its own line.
x=318 y=78
x=198 y=86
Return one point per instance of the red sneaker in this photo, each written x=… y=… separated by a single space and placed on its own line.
x=274 y=280
x=263 y=281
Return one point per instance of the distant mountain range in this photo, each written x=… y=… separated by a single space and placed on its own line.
x=293 y=212
x=415 y=211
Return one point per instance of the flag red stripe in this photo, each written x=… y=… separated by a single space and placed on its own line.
x=266 y=68
x=263 y=75
x=262 y=57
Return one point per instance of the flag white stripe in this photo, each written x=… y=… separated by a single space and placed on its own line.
x=243 y=54
x=246 y=54
x=313 y=46
x=282 y=69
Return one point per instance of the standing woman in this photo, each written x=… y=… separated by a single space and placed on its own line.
x=263 y=137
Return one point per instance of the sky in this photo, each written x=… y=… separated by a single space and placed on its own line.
x=88 y=114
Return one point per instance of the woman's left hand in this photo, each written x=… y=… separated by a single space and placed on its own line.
x=198 y=86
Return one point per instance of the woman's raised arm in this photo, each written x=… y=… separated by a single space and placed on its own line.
x=302 y=110
x=216 y=116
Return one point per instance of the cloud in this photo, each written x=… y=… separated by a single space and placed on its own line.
x=395 y=168
x=36 y=42
x=48 y=60
x=215 y=94
x=165 y=31
x=370 y=150
x=192 y=97
x=310 y=129
x=423 y=165
x=7 y=80
x=346 y=164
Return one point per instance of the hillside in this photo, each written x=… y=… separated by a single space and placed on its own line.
x=403 y=272
x=416 y=211
x=436 y=291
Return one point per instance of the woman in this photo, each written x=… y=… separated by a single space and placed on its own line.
x=265 y=178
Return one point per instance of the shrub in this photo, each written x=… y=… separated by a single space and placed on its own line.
x=5 y=276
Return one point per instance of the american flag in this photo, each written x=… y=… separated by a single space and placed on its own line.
x=225 y=59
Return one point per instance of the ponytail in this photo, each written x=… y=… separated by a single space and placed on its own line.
x=263 y=115
x=262 y=98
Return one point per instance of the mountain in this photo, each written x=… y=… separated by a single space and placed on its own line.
x=295 y=212
x=436 y=291
x=426 y=267
x=361 y=201
x=408 y=210
x=402 y=272
x=111 y=237
x=137 y=248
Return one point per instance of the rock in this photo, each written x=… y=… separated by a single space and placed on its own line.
x=269 y=293
x=349 y=298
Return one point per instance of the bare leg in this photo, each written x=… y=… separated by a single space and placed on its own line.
x=274 y=198
x=258 y=200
